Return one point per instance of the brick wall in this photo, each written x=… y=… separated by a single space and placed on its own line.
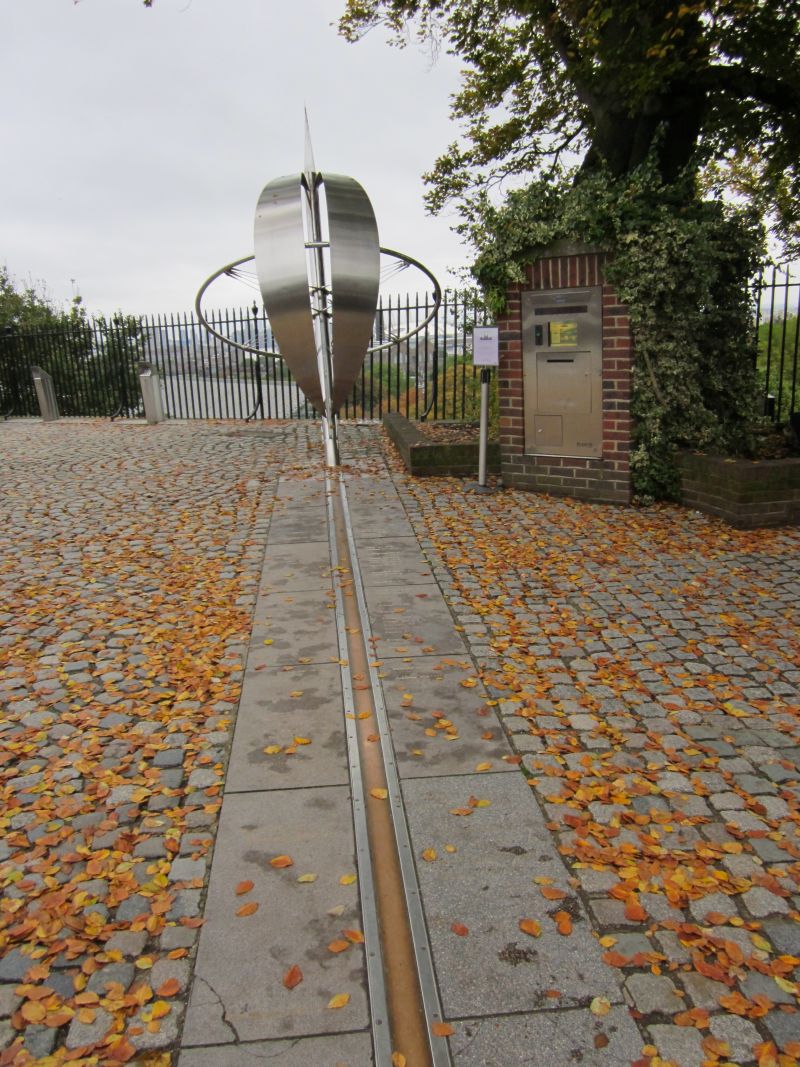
x=745 y=493
x=604 y=479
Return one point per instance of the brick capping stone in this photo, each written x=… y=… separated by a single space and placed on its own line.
x=748 y=494
x=607 y=479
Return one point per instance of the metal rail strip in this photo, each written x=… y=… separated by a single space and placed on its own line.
x=379 y=1011
x=408 y=886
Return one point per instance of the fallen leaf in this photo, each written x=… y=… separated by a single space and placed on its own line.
x=442 y=1029
x=600 y=1041
x=355 y=936
x=398 y=1059
x=282 y=861
x=379 y=794
x=429 y=855
x=339 y=1001
x=551 y=893
x=243 y=887
x=460 y=929
x=306 y=879
x=338 y=946
x=247 y=909
x=348 y=879
x=600 y=1006
x=530 y=927
x=483 y=767
x=168 y=988
x=293 y=977
x=563 y=921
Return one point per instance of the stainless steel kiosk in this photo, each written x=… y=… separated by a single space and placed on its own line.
x=562 y=353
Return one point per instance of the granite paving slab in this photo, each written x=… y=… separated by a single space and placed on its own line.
x=238 y=992
x=341 y=1050
x=487 y=886
x=292 y=627
x=296 y=566
x=270 y=716
x=393 y=561
x=412 y=620
x=439 y=725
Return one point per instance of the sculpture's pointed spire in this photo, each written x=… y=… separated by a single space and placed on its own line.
x=309 y=167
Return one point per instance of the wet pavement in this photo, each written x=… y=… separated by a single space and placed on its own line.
x=594 y=711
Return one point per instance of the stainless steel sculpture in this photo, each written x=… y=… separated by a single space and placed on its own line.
x=317 y=259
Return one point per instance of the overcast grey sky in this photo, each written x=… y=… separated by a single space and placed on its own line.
x=135 y=141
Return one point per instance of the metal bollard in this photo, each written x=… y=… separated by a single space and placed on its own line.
x=150 y=383
x=45 y=394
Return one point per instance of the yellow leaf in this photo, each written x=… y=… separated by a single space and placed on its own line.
x=159 y=1009
x=600 y=1006
x=339 y=1001
x=429 y=855
x=379 y=794
x=305 y=879
x=273 y=750
x=33 y=1012
x=786 y=985
x=302 y=741
x=268 y=641
x=348 y=879
x=295 y=693
x=483 y=767
x=144 y=963
x=608 y=941
x=450 y=848
x=398 y=1059
x=760 y=942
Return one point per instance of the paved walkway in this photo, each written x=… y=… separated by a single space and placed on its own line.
x=640 y=668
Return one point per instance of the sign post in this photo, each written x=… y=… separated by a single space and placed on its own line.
x=485 y=354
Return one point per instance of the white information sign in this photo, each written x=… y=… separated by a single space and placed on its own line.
x=486 y=346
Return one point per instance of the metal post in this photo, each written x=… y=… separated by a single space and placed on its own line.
x=46 y=394
x=150 y=383
x=484 y=433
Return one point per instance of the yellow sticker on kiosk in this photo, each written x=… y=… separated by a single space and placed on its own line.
x=563 y=334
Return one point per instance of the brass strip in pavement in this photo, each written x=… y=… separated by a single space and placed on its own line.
x=389 y=891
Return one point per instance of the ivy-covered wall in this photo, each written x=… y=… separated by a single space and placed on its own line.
x=681 y=265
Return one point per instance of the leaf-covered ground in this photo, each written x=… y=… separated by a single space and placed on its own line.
x=646 y=665
x=129 y=561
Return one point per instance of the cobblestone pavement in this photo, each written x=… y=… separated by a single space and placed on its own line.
x=646 y=667
x=643 y=663
x=129 y=562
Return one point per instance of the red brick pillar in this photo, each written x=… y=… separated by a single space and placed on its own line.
x=606 y=478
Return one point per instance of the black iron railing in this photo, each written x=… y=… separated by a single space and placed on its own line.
x=93 y=365
x=777 y=296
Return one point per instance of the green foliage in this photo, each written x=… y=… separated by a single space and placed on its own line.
x=94 y=368
x=712 y=85
x=780 y=338
x=682 y=266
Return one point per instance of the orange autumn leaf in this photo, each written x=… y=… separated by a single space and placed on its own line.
x=398 y=1059
x=339 y=1001
x=460 y=929
x=355 y=936
x=379 y=794
x=33 y=1012
x=563 y=921
x=282 y=861
x=429 y=855
x=530 y=927
x=247 y=909
x=634 y=910
x=168 y=988
x=734 y=1002
x=715 y=1046
x=339 y=946
x=293 y=977
x=549 y=892
x=243 y=887
x=442 y=1029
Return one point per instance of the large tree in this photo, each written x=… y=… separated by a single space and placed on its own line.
x=712 y=86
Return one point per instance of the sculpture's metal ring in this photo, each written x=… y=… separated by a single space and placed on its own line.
x=229 y=267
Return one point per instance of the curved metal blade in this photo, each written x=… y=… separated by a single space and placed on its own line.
x=283 y=277
x=355 y=278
